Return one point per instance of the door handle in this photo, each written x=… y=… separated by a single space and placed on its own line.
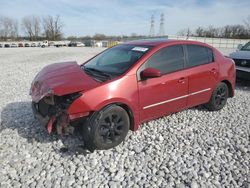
x=213 y=71
x=181 y=80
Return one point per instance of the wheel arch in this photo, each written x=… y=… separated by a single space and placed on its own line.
x=130 y=114
x=127 y=109
x=230 y=87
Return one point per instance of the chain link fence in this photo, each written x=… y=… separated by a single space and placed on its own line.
x=215 y=42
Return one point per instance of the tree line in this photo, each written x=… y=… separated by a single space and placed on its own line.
x=48 y=27
x=33 y=28
x=238 y=31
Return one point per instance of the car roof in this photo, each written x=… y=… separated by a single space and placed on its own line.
x=160 y=41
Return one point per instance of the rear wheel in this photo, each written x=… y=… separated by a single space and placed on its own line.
x=219 y=98
x=106 y=128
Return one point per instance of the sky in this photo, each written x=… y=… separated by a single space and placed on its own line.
x=124 y=17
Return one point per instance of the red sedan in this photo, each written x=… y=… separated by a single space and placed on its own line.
x=129 y=84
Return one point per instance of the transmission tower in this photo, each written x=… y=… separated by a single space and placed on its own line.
x=152 y=27
x=162 y=31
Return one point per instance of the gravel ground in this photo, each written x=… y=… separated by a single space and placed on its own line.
x=193 y=148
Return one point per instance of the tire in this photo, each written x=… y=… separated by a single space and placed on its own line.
x=106 y=129
x=219 y=98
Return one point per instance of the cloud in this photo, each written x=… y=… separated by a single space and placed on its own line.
x=125 y=17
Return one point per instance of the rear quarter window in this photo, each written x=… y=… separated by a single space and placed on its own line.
x=199 y=55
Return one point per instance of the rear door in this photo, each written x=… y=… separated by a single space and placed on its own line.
x=168 y=93
x=202 y=74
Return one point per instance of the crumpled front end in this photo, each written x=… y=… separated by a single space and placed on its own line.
x=52 y=112
x=54 y=89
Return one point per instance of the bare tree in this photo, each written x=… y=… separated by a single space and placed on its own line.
x=48 y=27
x=199 y=32
x=234 y=31
x=52 y=27
x=228 y=31
x=15 y=29
x=2 y=32
x=99 y=36
x=31 y=26
x=36 y=26
x=185 y=32
x=27 y=26
x=58 y=27
x=211 y=31
x=8 y=28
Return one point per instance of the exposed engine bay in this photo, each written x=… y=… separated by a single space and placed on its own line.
x=53 y=111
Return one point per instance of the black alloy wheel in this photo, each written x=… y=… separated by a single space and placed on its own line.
x=111 y=128
x=106 y=128
x=219 y=98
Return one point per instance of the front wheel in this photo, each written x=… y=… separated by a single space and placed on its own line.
x=219 y=98
x=106 y=128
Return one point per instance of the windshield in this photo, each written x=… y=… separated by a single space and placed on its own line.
x=115 y=61
x=246 y=47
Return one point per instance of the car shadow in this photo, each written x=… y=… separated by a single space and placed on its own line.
x=18 y=116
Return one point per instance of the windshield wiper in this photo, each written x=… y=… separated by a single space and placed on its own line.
x=99 y=72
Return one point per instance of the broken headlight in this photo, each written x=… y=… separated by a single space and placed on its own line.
x=49 y=99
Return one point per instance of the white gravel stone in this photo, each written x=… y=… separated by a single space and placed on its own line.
x=191 y=148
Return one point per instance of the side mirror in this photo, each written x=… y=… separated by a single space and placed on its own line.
x=150 y=73
x=239 y=46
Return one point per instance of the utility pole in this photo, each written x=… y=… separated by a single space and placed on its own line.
x=152 y=27
x=162 y=30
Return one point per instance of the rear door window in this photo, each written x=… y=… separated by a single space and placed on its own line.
x=169 y=59
x=199 y=55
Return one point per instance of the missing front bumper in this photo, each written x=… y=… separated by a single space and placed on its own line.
x=59 y=123
x=43 y=120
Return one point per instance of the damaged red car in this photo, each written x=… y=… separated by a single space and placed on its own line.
x=129 y=84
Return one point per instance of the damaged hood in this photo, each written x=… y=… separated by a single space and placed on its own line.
x=60 y=79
